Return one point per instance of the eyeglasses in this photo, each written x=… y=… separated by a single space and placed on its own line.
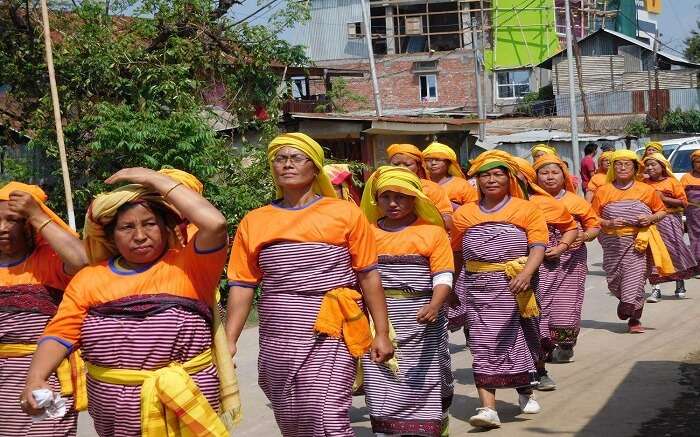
x=294 y=159
x=624 y=164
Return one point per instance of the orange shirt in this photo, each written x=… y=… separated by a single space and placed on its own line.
x=554 y=211
x=669 y=187
x=332 y=221
x=518 y=212
x=41 y=267
x=183 y=272
x=459 y=190
x=688 y=180
x=597 y=181
x=419 y=238
x=437 y=195
x=640 y=191
x=581 y=210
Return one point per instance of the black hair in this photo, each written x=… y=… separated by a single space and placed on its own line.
x=160 y=211
x=590 y=148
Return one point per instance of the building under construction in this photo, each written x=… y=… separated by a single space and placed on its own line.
x=425 y=50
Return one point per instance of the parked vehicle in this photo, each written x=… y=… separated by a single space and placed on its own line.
x=670 y=146
x=680 y=159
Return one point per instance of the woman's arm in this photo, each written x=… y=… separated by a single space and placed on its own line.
x=212 y=233
x=429 y=312
x=240 y=301
x=45 y=361
x=523 y=280
x=68 y=247
x=567 y=239
x=373 y=293
x=672 y=202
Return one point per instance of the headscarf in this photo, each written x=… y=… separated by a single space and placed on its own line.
x=441 y=151
x=400 y=180
x=528 y=171
x=185 y=178
x=340 y=174
x=406 y=149
x=623 y=154
x=604 y=155
x=40 y=197
x=655 y=145
x=304 y=143
x=663 y=161
x=549 y=150
x=695 y=155
x=498 y=158
x=551 y=159
x=103 y=211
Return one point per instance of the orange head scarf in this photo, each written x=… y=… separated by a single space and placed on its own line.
x=552 y=159
x=695 y=155
x=40 y=197
x=603 y=156
x=411 y=151
x=498 y=158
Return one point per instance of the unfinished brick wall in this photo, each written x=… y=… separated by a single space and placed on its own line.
x=399 y=85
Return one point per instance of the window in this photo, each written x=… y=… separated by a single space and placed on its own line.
x=513 y=84
x=355 y=30
x=299 y=87
x=428 y=88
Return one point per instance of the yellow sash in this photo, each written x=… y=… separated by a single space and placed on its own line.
x=171 y=403
x=70 y=373
x=648 y=237
x=527 y=304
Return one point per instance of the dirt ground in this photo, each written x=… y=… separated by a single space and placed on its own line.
x=682 y=418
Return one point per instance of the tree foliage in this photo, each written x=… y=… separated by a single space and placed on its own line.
x=692 y=44
x=136 y=90
x=681 y=121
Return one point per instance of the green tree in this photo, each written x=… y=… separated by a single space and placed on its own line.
x=135 y=90
x=692 y=43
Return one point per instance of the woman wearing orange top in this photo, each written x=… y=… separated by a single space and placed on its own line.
x=691 y=183
x=409 y=156
x=38 y=255
x=442 y=166
x=141 y=312
x=499 y=243
x=628 y=210
x=564 y=324
x=416 y=266
x=341 y=178
x=310 y=253
x=600 y=176
x=562 y=234
x=673 y=195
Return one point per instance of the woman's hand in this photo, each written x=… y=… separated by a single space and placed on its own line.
x=614 y=223
x=520 y=283
x=553 y=253
x=581 y=238
x=143 y=176
x=645 y=220
x=427 y=314
x=25 y=205
x=382 y=350
x=27 y=401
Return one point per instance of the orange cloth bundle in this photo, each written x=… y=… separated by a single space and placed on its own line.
x=340 y=316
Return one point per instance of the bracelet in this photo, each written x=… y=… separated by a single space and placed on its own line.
x=165 y=196
x=43 y=225
x=565 y=244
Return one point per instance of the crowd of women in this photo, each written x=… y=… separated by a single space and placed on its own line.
x=357 y=291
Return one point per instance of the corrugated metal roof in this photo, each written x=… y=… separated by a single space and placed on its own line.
x=540 y=136
x=408 y=112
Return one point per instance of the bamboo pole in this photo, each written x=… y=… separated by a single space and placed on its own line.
x=57 y=114
x=228 y=380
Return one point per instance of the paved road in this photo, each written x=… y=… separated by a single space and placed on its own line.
x=617 y=382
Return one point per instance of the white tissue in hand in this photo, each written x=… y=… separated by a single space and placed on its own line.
x=54 y=406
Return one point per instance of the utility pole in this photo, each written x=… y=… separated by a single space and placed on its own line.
x=657 y=107
x=572 y=91
x=477 y=74
x=370 y=55
x=482 y=108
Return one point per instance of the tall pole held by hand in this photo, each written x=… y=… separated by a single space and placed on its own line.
x=57 y=114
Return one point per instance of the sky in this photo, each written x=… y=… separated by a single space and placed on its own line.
x=677 y=19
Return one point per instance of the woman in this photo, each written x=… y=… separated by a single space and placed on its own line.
x=569 y=285
x=691 y=183
x=629 y=210
x=542 y=149
x=673 y=195
x=562 y=234
x=38 y=255
x=309 y=253
x=500 y=241
x=416 y=267
x=600 y=176
x=408 y=155
x=341 y=178
x=442 y=166
x=653 y=147
x=141 y=312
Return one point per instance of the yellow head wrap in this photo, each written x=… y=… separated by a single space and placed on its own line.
x=442 y=151
x=103 y=210
x=552 y=159
x=339 y=175
x=302 y=142
x=655 y=145
x=603 y=156
x=623 y=154
x=498 y=158
x=663 y=161
x=40 y=197
x=185 y=178
x=695 y=155
x=401 y=180
x=542 y=148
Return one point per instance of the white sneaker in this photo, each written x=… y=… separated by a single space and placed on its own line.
x=655 y=295
x=485 y=418
x=562 y=355
x=528 y=404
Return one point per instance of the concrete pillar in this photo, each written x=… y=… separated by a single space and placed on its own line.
x=390 y=41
